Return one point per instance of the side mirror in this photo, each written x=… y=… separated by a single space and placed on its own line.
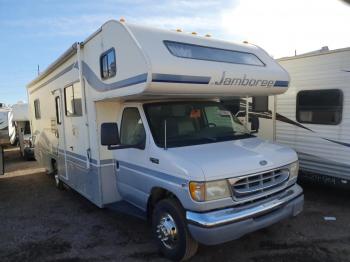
x=109 y=134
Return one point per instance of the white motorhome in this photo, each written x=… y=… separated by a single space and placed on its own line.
x=4 y=126
x=130 y=119
x=312 y=115
x=19 y=129
x=4 y=137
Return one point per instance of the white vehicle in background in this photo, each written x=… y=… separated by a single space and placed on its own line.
x=4 y=137
x=131 y=119
x=311 y=116
x=315 y=113
x=19 y=129
x=4 y=124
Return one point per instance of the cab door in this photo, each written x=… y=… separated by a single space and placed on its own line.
x=131 y=162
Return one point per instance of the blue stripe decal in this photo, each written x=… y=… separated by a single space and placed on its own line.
x=154 y=173
x=167 y=78
x=106 y=161
x=281 y=83
x=61 y=73
x=75 y=156
x=337 y=142
x=100 y=86
x=81 y=157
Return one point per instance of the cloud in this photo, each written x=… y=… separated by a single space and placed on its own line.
x=59 y=26
x=281 y=27
x=170 y=14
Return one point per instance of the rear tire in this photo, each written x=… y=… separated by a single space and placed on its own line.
x=58 y=183
x=170 y=231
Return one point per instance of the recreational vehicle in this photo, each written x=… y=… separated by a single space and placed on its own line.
x=4 y=127
x=131 y=119
x=4 y=137
x=19 y=129
x=312 y=115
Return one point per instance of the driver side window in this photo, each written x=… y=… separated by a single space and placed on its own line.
x=132 y=131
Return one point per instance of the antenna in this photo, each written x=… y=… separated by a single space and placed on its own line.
x=165 y=142
x=38 y=69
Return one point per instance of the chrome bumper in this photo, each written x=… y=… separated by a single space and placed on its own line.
x=233 y=215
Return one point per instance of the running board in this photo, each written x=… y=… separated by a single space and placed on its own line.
x=127 y=208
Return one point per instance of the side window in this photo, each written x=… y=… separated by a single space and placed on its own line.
x=58 y=109
x=37 y=112
x=73 y=97
x=323 y=107
x=132 y=131
x=108 y=64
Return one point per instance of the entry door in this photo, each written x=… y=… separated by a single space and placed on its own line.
x=60 y=137
x=130 y=162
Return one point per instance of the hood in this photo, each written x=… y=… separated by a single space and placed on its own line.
x=235 y=158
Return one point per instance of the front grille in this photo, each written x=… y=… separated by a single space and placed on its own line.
x=258 y=185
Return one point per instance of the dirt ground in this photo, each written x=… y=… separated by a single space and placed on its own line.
x=40 y=223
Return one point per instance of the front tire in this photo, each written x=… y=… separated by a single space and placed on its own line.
x=170 y=231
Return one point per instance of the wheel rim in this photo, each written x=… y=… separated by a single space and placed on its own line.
x=167 y=231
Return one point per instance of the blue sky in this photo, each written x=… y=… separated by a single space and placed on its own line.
x=37 y=32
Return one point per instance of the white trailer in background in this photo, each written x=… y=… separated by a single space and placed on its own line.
x=181 y=159
x=19 y=129
x=4 y=137
x=313 y=115
x=4 y=125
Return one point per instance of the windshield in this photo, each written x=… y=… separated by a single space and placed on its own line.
x=192 y=123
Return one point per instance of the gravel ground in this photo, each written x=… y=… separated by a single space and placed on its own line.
x=40 y=223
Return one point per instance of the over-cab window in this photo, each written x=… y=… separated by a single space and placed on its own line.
x=107 y=64
x=132 y=131
x=323 y=107
x=37 y=112
x=192 y=51
x=73 y=100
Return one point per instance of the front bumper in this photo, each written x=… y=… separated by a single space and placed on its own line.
x=224 y=225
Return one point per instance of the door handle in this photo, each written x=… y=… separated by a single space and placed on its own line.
x=154 y=160
x=117 y=165
x=71 y=147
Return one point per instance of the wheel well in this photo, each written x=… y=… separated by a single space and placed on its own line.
x=156 y=195
x=53 y=164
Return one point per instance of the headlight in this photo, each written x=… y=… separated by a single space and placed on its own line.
x=294 y=169
x=206 y=191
